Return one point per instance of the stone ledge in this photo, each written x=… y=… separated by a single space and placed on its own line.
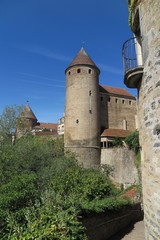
x=103 y=226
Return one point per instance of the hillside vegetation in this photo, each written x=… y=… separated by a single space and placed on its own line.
x=45 y=194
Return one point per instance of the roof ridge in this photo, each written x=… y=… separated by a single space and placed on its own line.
x=116 y=91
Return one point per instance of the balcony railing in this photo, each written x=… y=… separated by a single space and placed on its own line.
x=132 y=62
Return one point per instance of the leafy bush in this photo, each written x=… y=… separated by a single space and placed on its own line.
x=43 y=194
x=72 y=192
x=117 y=142
x=133 y=141
x=89 y=183
x=110 y=203
x=48 y=220
x=18 y=193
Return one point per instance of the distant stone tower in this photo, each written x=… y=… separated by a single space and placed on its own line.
x=82 y=113
x=27 y=121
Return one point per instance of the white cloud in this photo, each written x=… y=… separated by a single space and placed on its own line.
x=39 y=77
x=41 y=83
x=45 y=52
x=110 y=69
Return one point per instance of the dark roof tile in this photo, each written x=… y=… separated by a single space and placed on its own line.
x=28 y=113
x=110 y=132
x=82 y=58
x=115 y=91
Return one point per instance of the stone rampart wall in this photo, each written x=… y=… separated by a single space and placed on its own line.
x=149 y=115
x=103 y=226
x=123 y=161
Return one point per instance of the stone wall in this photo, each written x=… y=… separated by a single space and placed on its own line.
x=116 y=109
x=120 y=109
x=123 y=161
x=103 y=226
x=149 y=115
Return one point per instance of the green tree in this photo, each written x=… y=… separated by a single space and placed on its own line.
x=8 y=121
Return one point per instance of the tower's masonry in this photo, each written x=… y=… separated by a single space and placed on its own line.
x=149 y=115
x=145 y=76
x=118 y=108
x=28 y=121
x=82 y=121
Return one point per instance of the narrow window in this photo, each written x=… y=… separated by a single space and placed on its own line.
x=78 y=70
x=116 y=100
x=69 y=73
x=105 y=144
x=129 y=102
x=89 y=71
x=101 y=144
x=109 y=99
x=123 y=101
x=77 y=121
x=90 y=111
x=90 y=93
x=101 y=98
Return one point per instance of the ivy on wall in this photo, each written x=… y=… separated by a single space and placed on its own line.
x=131 y=8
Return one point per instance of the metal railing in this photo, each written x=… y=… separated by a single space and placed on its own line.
x=132 y=54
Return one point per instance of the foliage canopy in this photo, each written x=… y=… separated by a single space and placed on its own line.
x=44 y=194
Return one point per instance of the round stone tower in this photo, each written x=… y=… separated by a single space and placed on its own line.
x=82 y=113
x=27 y=121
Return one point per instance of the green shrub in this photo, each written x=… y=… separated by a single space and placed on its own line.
x=117 y=142
x=44 y=193
x=89 y=183
x=110 y=203
x=20 y=192
x=47 y=220
x=133 y=141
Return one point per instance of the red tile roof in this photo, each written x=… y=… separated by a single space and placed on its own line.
x=48 y=125
x=46 y=134
x=82 y=58
x=110 y=132
x=116 y=91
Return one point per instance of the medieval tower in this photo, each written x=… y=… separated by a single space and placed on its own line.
x=82 y=121
x=27 y=121
x=145 y=76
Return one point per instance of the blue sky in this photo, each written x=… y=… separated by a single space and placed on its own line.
x=39 y=39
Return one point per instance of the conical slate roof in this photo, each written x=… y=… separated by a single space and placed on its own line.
x=82 y=58
x=28 y=113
